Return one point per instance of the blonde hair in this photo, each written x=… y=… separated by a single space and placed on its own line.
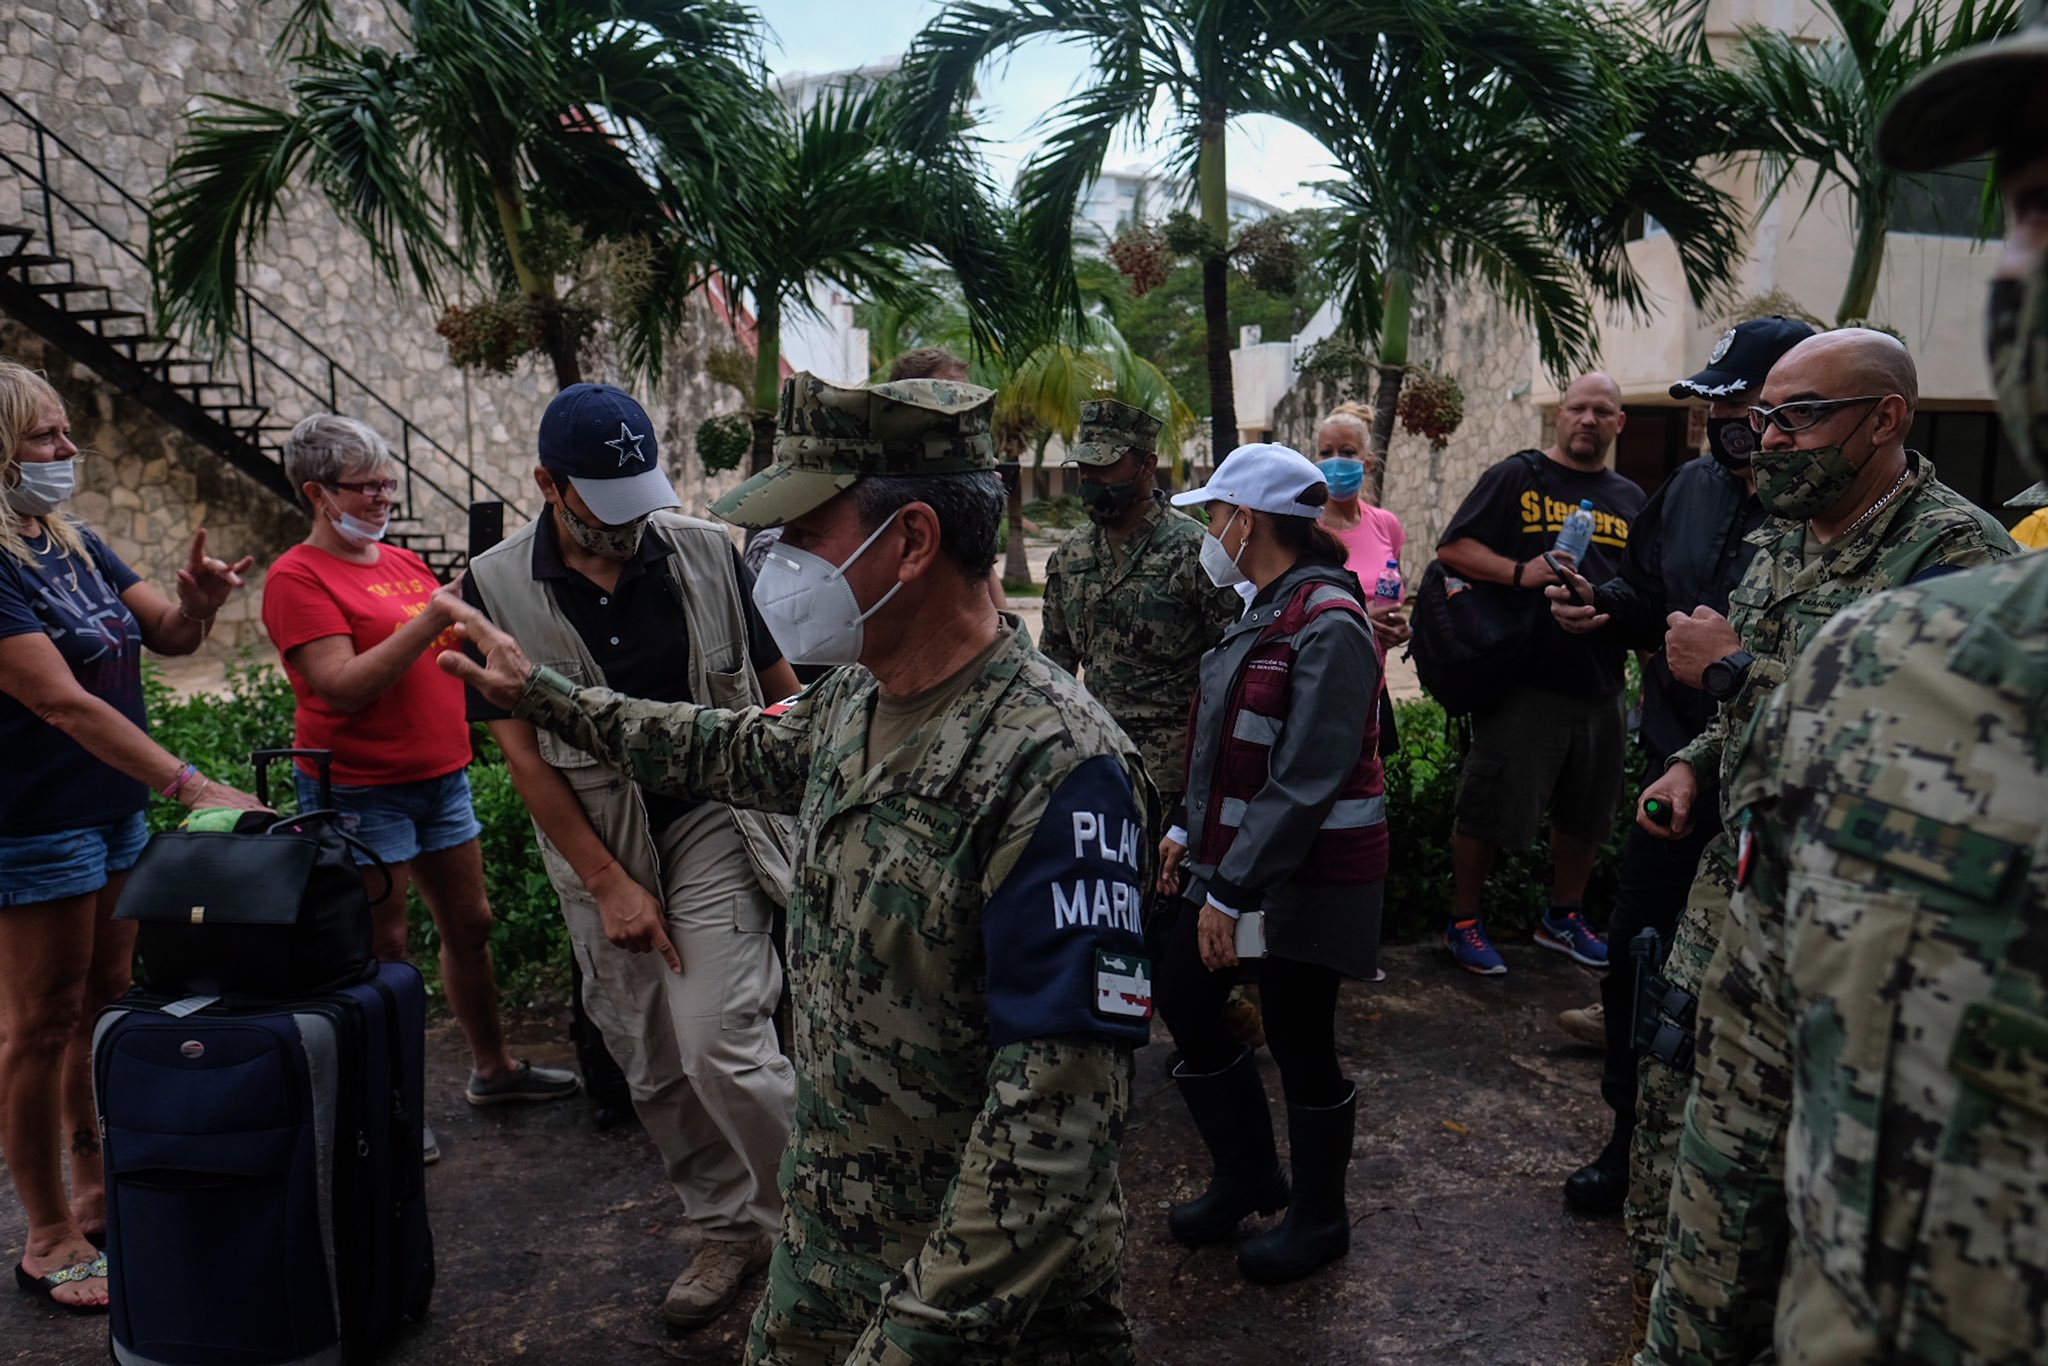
x=1344 y=416
x=24 y=394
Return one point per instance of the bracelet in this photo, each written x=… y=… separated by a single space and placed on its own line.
x=206 y=622
x=585 y=878
x=1520 y=565
x=186 y=773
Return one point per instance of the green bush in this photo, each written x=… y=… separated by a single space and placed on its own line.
x=1064 y=512
x=529 y=941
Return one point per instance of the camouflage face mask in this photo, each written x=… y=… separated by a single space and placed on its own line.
x=612 y=542
x=2017 y=341
x=1797 y=485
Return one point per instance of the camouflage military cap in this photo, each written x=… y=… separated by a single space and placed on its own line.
x=829 y=436
x=1965 y=106
x=1111 y=430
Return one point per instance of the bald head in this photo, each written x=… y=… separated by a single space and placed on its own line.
x=1589 y=417
x=1846 y=362
x=1594 y=382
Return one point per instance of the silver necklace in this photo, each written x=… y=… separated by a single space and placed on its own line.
x=1878 y=506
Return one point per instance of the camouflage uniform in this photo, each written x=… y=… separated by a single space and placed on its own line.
x=1864 y=1162
x=1134 y=618
x=1871 y=1119
x=1793 y=587
x=961 y=1046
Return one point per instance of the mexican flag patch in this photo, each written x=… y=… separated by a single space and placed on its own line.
x=1123 y=985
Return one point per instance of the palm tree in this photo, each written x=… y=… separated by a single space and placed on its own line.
x=1040 y=384
x=1459 y=174
x=833 y=194
x=1823 y=101
x=1304 y=61
x=508 y=140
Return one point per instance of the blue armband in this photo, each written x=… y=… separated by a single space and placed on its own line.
x=1063 y=936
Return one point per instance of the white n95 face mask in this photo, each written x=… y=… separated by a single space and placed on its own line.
x=1219 y=564
x=809 y=607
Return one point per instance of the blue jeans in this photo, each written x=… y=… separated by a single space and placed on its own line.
x=401 y=821
x=66 y=863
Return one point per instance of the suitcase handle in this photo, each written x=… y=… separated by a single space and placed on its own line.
x=323 y=764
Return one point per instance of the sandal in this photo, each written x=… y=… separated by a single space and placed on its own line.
x=45 y=1287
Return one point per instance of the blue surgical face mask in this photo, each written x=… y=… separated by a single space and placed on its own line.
x=45 y=486
x=1344 y=476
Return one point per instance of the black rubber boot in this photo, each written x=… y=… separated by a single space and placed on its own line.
x=1317 y=1229
x=1229 y=1109
x=1600 y=1188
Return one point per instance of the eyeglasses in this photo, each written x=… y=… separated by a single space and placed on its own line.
x=1797 y=417
x=366 y=487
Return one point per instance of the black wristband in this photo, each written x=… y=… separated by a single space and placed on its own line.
x=1520 y=565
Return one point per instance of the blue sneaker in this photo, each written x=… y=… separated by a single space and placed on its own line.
x=1565 y=930
x=1467 y=941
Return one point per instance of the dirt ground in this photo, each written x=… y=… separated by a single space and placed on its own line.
x=555 y=1243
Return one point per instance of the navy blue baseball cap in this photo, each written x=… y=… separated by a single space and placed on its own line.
x=603 y=441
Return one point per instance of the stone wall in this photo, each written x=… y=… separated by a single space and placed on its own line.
x=1457 y=331
x=114 y=79
x=146 y=487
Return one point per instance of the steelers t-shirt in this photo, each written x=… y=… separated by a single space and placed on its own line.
x=1517 y=511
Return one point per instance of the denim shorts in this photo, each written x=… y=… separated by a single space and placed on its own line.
x=65 y=863
x=401 y=821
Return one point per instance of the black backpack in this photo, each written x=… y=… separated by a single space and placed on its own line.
x=1471 y=639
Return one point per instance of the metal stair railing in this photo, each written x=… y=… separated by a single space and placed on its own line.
x=257 y=378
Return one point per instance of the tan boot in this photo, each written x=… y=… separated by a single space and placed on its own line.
x=1587 y=1024
x=1639 y=1326
x=712 y=1278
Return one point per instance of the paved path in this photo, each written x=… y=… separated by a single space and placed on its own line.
x=556 y=1243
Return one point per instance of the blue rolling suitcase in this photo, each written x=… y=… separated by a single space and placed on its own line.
x=265 y=1195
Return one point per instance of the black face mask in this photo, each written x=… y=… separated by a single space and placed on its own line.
x=1731 y=441
x=1107 y=503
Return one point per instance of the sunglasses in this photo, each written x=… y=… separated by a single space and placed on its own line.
x=366 y=487
x=1797 y=417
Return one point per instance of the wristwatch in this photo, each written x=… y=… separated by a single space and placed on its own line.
x=1720 y=679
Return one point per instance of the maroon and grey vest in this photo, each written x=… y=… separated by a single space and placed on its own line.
x=1351 y=846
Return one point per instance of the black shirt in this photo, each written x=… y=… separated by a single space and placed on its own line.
x=635 y=631
x=1517 y=511
x=1685 y=550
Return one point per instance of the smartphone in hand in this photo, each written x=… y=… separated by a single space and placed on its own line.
x=1557 y=567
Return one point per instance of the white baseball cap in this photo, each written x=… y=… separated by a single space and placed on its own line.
x=1263 y=477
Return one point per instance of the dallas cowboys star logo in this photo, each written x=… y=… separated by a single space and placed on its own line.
x=627 y=438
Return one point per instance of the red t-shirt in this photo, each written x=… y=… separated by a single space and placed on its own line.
x=413 y=732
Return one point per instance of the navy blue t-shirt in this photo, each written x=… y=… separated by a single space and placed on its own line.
x=49 y=782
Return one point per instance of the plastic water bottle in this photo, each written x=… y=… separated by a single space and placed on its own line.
x=1577 y=535
x=1388 y=585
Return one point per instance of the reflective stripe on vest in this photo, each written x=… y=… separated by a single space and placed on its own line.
x=1350 y=813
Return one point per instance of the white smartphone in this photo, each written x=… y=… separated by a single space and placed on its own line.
x=1251 y=935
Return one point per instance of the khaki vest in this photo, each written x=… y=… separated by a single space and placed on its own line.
x=701 y=560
